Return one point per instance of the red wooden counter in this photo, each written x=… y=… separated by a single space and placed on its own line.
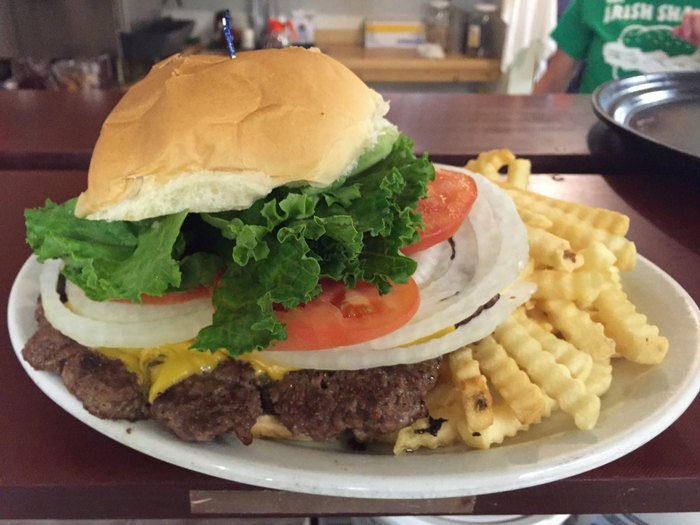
x=559 y=133
x=53 y=466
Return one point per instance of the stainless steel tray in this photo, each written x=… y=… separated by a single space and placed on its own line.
x=662 y=108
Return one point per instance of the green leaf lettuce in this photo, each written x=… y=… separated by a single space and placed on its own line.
x=274 y=253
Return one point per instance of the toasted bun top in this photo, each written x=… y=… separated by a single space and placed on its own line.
x=211 y=133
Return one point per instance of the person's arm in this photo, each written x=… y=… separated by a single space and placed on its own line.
x=560 y=70
x=573 y=37
x=689 y=29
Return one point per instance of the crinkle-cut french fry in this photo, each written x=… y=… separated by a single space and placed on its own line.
x=528 y=270
x=552 y=251
x=486 y=171
x=581 y=287
x=550 y=404
x=268 y=426
x=611 y=221
x=476 y=396
x=514 y=385
x=518 y=174
x=489 y=163
x=534 y=220
x=505 y=425
x=615 y=279
x=553 y=378
x=579 y=234
x=444 y=400
x=597 y=257
x=599 y=380
x=579 y=363
x=635 y=338
x=426 y=433
x=497 y=158
x=539 y=316
x=578 y=328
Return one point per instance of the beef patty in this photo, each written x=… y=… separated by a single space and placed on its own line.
x=105 y=386
x=323 y=404
x=48 y=349
x=207 y=405
x=229 y=399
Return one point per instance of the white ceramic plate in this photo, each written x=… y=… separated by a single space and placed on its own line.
x=642 y=402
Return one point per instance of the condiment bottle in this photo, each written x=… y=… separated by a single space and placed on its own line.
x=438 y=23
x=248 y=38
x=276 y=34
x=480 y=30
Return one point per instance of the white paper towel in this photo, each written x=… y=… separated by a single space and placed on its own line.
x=528 y=26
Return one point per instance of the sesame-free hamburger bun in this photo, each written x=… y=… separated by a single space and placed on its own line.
x=211 y=133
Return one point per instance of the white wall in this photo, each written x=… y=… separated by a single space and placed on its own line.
x=134 y=13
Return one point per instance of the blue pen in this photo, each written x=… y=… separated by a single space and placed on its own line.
x=228 y=34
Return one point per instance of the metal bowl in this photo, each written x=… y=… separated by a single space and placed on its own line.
x=660 y=108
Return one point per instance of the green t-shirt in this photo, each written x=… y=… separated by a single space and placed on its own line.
x=618 y=38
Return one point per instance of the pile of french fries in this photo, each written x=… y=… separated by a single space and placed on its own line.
x=556 y=351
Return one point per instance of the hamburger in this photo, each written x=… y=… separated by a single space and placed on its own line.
x=259 y=252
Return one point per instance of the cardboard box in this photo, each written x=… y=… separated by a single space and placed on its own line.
x=390 y=33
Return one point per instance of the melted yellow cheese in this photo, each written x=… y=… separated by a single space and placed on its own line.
x=131 y=359
x=161 y=367
x=274 y=372
x=427 y=338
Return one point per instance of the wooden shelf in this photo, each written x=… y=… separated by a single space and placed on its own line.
x=404 y=65
x=396 y=65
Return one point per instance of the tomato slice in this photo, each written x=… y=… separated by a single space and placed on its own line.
x=340 y=316
x=450 y=198
x=173 y=297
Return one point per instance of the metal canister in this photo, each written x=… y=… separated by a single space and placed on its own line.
x=480 y=30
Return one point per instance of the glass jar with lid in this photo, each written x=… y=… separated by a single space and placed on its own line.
x=438 y=23
x=481 y=30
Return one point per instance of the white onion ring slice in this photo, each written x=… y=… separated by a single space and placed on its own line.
x=491 y=252
x=435 y=262
x=502 y=246
x=95 y=333
x=342 y=359
x=118 y=312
